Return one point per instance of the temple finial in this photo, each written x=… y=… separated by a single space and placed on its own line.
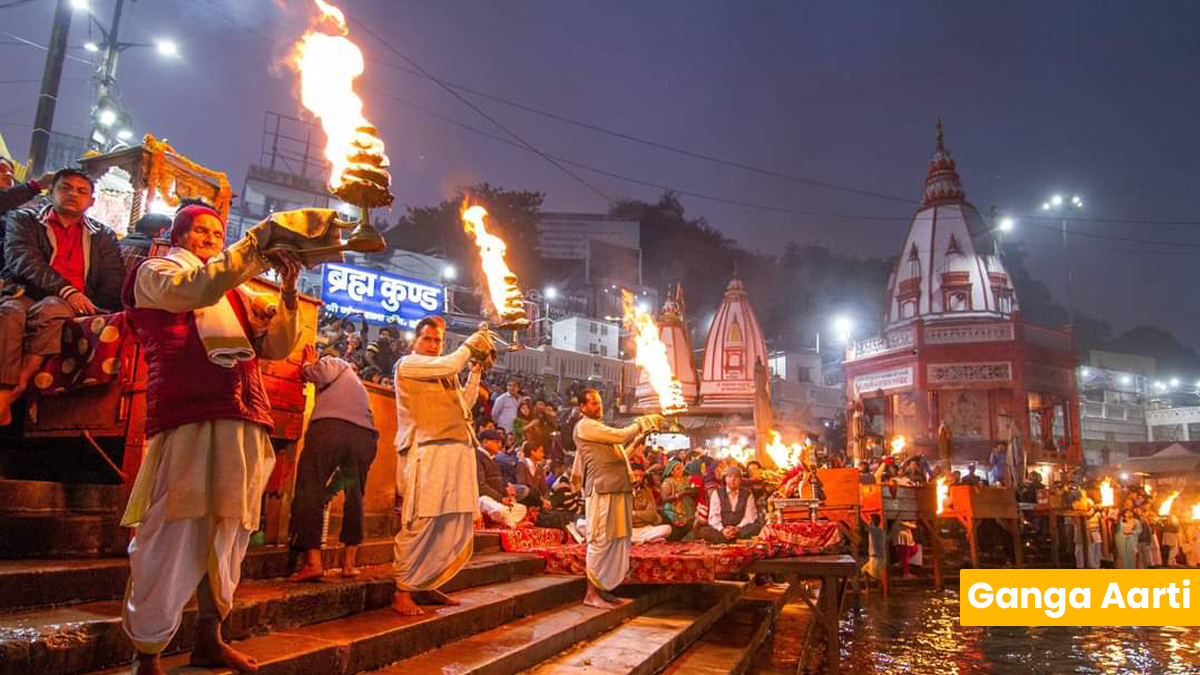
x=940 y=141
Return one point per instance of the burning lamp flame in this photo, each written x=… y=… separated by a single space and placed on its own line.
x=328 y=63
x=1196 y=511
x=503 y=293
x=1108 y=495
x=784 y=456
x=943 y=494
x=739 y=452
x=1165 y=509
x=898 y=443
x=651 y=356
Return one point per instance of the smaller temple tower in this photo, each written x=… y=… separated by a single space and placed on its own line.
x=735 y=343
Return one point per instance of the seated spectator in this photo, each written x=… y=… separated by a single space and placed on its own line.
x=732 y=514
x=497 y=500
x=679 y=501
x=971 y=478
x=566 y=506
x=648 y=523
x=532 y=476
x=135 y=247
x=58 y=263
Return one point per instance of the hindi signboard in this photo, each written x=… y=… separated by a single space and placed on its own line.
x=381 y=297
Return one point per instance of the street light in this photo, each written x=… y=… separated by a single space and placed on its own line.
x=448 y=272
x=106 y=117
x=167 y=48
x=79 y=4
x=1174 y=382
x=125 y=134
x=91 y=46
x=1060 y=205
x=1007 y=224
x=551 y=293
x=843 y=327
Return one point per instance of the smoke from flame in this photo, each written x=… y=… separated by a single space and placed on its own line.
x=328 y=64
x=501 y=282
x=652 y=357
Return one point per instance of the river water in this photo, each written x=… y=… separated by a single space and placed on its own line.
x=917 y=632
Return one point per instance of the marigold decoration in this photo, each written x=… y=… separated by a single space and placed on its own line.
x=1165 y=509
x=167 y=182
x=651 y=356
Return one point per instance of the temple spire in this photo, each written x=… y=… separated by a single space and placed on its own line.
x=942 y=184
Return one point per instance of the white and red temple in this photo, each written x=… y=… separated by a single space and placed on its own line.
x=955 y=359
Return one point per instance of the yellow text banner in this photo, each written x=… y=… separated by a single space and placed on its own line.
x=1032 y=597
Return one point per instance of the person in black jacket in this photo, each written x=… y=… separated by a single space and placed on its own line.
x=58 y=263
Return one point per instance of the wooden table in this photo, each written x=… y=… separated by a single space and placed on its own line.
x=832 y=571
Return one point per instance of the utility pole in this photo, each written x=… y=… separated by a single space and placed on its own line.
x=43 y=120
x=108 y=76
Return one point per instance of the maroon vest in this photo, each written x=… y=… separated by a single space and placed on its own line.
x=183 y=386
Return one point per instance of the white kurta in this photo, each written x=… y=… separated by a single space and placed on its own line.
x=437 y=480
x=196 y=499
x=609 y=516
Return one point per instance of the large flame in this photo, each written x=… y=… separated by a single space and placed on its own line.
x=1196 y=511
x=651 y=356
x=943 y=494
x=1108 y=495
x=898 y=443
x=785 y=456
x=1165 y=509
x=501 y=282
x=738 y=451
x=328 y=63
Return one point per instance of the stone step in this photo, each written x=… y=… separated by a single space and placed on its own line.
x=47 y=497
x=527 y=642
x=648 y=643
x=52 y=535
x=729 y=647
x=89 y=636
x=28 y=583
x=374 y=639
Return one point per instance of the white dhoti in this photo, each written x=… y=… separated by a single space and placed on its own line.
x=649 y=533
x=498 y=512
x=609 y=536
x=195 y=504
x=437 y=535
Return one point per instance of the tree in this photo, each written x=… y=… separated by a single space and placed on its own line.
x=1172 y=356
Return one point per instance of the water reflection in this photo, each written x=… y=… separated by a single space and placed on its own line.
x=917 y=632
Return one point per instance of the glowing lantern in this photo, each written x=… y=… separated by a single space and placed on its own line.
x=1165 y=509
x=503 y=293
x=1107 y=493
x=943 y=494
x=651 y=356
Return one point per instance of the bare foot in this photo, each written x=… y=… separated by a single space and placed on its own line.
x=222 y=655
x=437 y=597
x=307 y=573
x=147 y=664
x=594 y=600
x=402 y=604
x=609 y=597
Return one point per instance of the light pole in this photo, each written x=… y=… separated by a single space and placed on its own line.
x=56 y=52
x=1059 y=204
x=110 y=122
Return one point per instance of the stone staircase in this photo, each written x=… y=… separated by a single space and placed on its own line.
x=60 y=615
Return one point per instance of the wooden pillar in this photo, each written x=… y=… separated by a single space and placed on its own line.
x=830 y=603
x=1014 y=526
x=935 y=543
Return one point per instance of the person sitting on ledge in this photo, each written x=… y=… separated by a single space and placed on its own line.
x=732 y=514
x=58 y=263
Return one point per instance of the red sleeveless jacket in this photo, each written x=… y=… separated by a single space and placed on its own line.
x=183 y=386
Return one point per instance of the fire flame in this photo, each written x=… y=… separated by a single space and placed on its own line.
x=328 y=63
x=501 y=282
x=1165 y=509
x=943 y=494
x=1196 y=511
x=784 y=456
x=898 y=443
x=1108 y=495
x=651 y=356
x=739 y=452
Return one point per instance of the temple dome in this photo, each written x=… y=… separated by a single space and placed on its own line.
x=673 y=332
x=940 y=274
x=735 y=343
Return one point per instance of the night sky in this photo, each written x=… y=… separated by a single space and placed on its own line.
x=1095 y=99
